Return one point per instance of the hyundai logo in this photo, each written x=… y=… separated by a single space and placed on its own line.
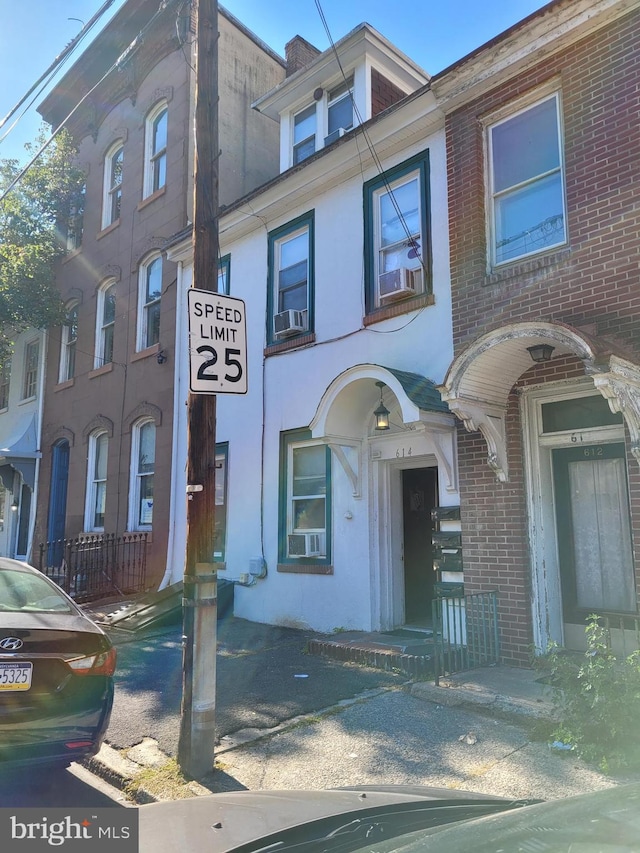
x=11 y=644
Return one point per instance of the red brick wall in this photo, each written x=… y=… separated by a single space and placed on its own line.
x=383 y=93
x=594 y=280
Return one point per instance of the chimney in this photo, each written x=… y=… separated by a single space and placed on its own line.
x=298 y=53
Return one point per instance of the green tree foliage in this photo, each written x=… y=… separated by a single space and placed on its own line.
x=33 y=218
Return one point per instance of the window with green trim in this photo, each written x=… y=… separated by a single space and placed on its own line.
x=397 y=238
x=224 y=274
x=290 y=294
x=305 y=499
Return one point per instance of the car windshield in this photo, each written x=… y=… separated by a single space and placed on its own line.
x=22 y=592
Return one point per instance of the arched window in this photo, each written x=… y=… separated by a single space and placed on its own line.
x=143 y=453
x=68 y=344
x=75 y=221
x=96 y=481
x=105 y=323
x=155 y=161
x=112 y=191
x=149 y=293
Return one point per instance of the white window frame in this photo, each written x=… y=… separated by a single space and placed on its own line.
x=30 y=369
x=96 y=485
x=112 y=188
x=503 y=117
x=136 y=477
x=278 y=269
x=417 y=265
x=104 y=327
x=146 y=306
x=68 y=346
x=155 y=159
x=295 y=146
x=290 y=498
x=334 y=99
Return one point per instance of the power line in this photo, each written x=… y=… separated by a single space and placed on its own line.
x=55 y=65
x=411 y=241
x=118 y=63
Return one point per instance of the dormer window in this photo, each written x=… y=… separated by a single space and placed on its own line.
x=339 y=111
x=304 y=134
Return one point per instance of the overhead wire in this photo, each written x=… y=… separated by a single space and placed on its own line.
x=118 y=63
x=44 y=79
x=411 y=241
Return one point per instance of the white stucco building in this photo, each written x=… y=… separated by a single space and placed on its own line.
x=343 y=262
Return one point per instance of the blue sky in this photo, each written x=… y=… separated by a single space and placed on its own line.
x=34 y=32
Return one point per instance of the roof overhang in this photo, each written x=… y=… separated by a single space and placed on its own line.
x=479 y=380
x=344 y=55
x=20 y=452
x=529 y=42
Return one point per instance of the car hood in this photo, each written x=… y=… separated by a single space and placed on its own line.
x=224 y=822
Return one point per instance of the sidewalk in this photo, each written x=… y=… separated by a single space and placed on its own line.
x=350 y=725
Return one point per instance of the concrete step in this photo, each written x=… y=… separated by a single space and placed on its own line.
x=404 y=652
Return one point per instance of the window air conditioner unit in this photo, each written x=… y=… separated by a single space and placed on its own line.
x=289 y=322
x=396 y=284
x=336 y=134
x=306 y=544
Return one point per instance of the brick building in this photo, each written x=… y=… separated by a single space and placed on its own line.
x=543 y=147
x=108 y=438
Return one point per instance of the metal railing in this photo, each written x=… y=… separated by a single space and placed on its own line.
x=623 y=632
x=465 y=632
x=90 y=567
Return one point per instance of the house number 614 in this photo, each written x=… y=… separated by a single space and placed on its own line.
x=400 y=452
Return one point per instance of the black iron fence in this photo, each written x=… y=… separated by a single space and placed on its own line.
x=90 y=567
x=465 y=632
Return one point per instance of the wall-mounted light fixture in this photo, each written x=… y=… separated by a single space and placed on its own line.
x=15 y=505
x=540 y=353
x=381 y=413
x=161 y=357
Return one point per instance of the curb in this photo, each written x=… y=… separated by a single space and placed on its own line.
x=479 y=699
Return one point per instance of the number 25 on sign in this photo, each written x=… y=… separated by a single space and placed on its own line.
x=217 y=343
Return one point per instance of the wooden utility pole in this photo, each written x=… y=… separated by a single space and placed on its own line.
x=197 y=729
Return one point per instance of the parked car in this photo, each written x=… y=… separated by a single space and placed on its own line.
x=56 y=672
x=392 y=819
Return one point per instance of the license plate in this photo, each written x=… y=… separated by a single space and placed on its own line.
x=15 y=676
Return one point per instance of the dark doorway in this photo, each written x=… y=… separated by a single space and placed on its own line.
x=419 y=491
x=594 y=531
x=58 y=502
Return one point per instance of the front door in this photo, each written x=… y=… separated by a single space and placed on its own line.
x=58 y=503
x=594 y=532
x=419 y=491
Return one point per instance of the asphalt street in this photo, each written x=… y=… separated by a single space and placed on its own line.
x=263 y=675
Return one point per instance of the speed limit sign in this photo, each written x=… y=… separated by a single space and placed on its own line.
x=217 y=343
